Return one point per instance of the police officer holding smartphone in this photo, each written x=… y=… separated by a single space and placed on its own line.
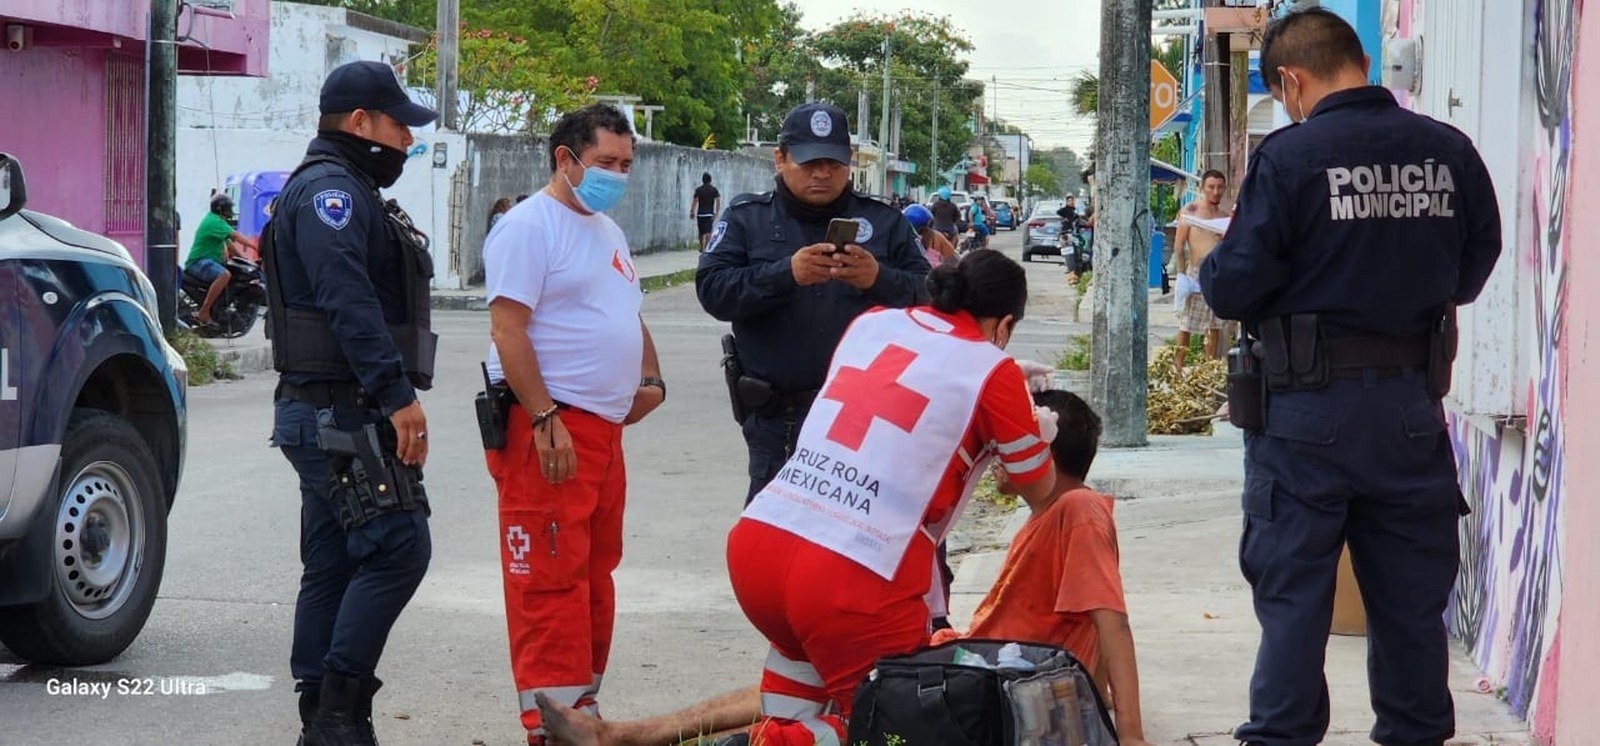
x=348 y=283
x=790 y=293
x=1358 y=230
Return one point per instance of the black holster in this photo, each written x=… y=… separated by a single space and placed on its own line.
x=1443 y=340
x=365 y=479
x=1293 y=356
x=732 y=373
x=1247 y=394
x=491 y=405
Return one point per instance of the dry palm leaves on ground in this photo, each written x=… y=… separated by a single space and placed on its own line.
x=1186 y=405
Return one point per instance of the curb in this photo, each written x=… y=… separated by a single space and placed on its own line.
x=246 y=360
x=648 y=284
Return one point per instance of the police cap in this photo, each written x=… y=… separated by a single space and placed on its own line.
x=813 y=131
x=371 y=86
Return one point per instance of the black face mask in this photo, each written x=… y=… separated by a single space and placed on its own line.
x=378 y=161
x=813 y=213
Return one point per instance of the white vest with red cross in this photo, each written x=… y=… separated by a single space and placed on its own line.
x=900 y=396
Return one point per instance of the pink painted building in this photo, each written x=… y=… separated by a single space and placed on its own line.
x=1523 y=79
x=72 y=82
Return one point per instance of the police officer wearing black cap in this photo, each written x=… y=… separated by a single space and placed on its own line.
x=789 y=294
x=1358 y=230
x=348 y=278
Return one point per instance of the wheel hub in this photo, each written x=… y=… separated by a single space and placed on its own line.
x=99 y=539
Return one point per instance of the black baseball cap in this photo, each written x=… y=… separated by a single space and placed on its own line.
x=372 y=86
x=812 y=131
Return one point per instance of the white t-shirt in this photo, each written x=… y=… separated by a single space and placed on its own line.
x=576 y=274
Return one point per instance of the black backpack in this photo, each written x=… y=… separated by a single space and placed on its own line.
x=928 y=699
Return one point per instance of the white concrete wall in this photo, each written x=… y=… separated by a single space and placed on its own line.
x=307 y=41
x=424 y=191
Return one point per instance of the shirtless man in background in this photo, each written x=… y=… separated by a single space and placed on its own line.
x=1193 y=244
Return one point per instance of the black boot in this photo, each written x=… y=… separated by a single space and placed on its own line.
x=308 y=711
x=339 y=721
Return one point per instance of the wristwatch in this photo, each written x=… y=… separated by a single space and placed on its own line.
x=656 y=382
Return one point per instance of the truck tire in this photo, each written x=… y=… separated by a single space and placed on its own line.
x=109 y=519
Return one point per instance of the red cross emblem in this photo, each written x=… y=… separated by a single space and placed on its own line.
x=622 y=266
x=874 y=394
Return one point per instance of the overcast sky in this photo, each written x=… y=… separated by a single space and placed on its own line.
x=1031 y=49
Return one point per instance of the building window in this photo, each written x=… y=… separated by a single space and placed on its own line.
x=124 y=174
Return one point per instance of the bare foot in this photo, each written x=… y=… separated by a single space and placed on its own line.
x=566 y=726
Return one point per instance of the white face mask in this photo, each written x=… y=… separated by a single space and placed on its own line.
x=1299 y=95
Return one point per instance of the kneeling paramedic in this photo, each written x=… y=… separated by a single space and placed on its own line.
x=1358 y=231
x=347 y=279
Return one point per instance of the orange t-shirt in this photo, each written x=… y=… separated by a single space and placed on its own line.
x=1061 y=566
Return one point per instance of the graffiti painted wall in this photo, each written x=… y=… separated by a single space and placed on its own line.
x=1507 y=604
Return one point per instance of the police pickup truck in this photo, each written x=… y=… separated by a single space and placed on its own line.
x=91 y=438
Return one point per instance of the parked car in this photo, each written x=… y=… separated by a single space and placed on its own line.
x=92 y=412
x=1006 y=214
x=1041 y=234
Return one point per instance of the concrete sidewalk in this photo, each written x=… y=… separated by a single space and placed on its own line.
x=1178 y=524
x=253 y=354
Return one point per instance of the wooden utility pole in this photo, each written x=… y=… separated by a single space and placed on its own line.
x=160 y=175
x=883 y=123
x=1215 y=63
x=446 y=83
x=934 y=157
x=1122 y=223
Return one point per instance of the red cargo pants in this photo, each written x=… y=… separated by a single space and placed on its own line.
x=558 y=547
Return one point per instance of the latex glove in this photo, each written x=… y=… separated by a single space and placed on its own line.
x=1048 y=420
x=1040 y=376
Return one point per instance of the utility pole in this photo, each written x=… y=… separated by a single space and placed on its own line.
x=1238 y=114
x=1122 y=236
x=1215 y=59
x=448 y=18
x=861 y=116
x=937 y=94
x=160 y=177
x=811 y=89
x=883 y=123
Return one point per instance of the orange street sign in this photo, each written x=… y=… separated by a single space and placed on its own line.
x=1163 y=95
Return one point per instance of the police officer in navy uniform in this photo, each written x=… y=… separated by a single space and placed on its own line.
x=787 y=293
x=348 y=292
x=1358 y=229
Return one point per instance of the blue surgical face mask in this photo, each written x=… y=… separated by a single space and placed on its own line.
x=600 y=189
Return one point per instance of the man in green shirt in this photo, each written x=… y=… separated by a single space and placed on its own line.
x=215 y=241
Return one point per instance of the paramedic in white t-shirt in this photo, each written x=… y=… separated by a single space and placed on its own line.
x=567 y=338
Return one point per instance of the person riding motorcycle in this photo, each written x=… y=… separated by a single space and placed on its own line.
x=216 y=240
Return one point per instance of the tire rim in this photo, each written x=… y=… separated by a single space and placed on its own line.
x=99 y=539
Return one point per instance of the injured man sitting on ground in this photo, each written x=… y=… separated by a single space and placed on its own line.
x=1060 y=585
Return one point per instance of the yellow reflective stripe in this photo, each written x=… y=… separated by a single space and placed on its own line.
x=789 y=708
x=800 y=672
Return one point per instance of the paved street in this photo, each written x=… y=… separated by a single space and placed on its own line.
x=226 y=605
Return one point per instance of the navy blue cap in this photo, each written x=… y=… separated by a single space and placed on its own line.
x=813 y=131
x=372 y=86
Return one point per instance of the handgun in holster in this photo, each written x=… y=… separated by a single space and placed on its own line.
x=365 y=480
x=1247 y=393
x=1443 y=340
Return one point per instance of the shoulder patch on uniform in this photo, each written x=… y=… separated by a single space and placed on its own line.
x=864 y=233
x=717 y=232
x=333 y=207
x=751 y=198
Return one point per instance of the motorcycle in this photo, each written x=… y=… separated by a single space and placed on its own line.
x=237 y=308
x=1076 y=249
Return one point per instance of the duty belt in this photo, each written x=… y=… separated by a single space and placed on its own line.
x=323 y=395
x=1384 y=357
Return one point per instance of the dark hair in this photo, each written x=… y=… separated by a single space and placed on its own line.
x=1077 y=431
x=576 y=129
x=1213 y=174
x=332 y=122
x=520 y=198
x=705 y=178
x=1316 y=39
x=500 y=205
x=985 y=283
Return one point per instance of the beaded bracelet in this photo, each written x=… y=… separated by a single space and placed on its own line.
x=543 y=417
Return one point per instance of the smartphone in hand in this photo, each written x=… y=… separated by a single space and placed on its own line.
x=841 y=231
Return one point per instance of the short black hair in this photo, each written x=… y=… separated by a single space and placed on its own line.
x=576 y=129
x=1316 y=39
x=705 y=178
x=332 y=122
x=1077 y=431
x=1212 y=173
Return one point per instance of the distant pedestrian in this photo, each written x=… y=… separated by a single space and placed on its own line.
x=501 y=206
x=1350 y=284
x=703 y=208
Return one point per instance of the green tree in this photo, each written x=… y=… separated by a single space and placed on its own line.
x=926 y=70
x=508 y=86
x=418 y=13
x=1040 y=180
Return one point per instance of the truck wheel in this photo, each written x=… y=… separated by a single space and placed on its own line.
x=109 y=521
